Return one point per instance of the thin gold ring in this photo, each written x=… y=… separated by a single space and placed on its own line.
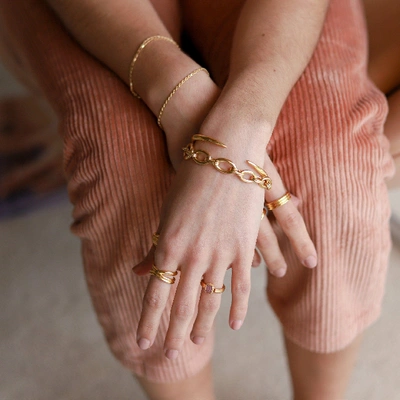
x=279 y=202
x=165 y=276
x=210 y=288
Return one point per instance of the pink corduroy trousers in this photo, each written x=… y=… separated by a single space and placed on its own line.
x=328 y=146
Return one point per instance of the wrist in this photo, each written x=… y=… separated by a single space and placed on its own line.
x=240 y=123
x=161 y=66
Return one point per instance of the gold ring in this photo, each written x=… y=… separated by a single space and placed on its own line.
x=165 y=276
x=279 y=202
x=264 y=212
x=155 y=238
x=210 y=288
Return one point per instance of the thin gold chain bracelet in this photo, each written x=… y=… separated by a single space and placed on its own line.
x=224 y=165
x=137 y=54
x=175 y=89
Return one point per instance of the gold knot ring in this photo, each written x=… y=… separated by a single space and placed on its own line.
x=165 y=276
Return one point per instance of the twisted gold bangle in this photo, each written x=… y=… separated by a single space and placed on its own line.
x=174 y=90
x=139 y=50
x=201 y=157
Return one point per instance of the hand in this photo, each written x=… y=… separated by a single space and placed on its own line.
x=292 y=224
x=203 y=246
x=204 y=250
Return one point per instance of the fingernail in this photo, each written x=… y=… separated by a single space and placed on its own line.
x=235 y=325
x=172 y=354
x=279 y=273
x=143 y=343
x=310 y=262
x=197 y=340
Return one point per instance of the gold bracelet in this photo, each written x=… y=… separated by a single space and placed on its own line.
x=174 y=90
x=139 y=50
x=201 y=157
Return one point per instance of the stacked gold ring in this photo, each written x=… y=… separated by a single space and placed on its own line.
x=279 y=202
x=165 y=276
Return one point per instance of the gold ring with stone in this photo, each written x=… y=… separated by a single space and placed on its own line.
x=210 y=288
x=279 y=202
x=165 y=276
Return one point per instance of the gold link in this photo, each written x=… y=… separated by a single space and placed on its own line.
x=248 y=176
x=217 y=164
x=252 y=177
x=201 y=160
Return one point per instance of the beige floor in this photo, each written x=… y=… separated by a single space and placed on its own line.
x=51 y=346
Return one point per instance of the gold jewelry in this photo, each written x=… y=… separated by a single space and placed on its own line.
x=175 y=89
x=201 y=157
x=165 y=276
x=264 y=213
x=139 y=50
x=279 y=202
x=210 y=288
x=155 y=238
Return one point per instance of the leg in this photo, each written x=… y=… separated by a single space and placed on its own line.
x=384 y=66
x=320 y=376
x=198 y=387
x=392 y=132
x=109 y=138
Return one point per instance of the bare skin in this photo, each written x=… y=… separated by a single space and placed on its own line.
x=310 y=386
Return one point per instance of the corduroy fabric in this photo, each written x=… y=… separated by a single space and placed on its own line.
x=328 y=146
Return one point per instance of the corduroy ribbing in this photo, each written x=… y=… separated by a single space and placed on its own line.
x=328 y=146
x=118 y=174
x=330 y=151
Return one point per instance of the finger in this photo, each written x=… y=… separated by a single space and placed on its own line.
x=240 y=286
x=154 y=302
x=293 y=225
x=267 y=243
x=208 y=307
x=290 y=220
x=182 y=313
x=256 y=259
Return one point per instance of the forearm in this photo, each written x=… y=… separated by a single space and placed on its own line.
x=273 y=43
x=113 y=30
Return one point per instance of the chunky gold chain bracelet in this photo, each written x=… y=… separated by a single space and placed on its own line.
x=224 y=165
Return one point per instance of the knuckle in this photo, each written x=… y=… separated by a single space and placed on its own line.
x=241 y=288
x=202 y=329
x=182 y=311
x=147 y=328
x=154 y=301
x=209 y=306
x=291 y=221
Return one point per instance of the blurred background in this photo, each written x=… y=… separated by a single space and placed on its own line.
x=51 y=346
